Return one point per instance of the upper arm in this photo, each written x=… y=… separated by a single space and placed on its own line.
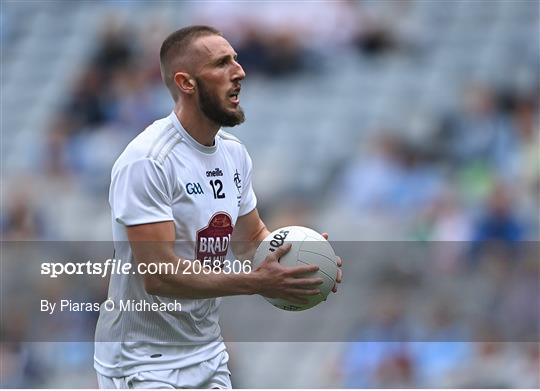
x=250 y=227
x=141 y=198
x=248 y=232
x=153 y=241
x=153 y=232
x=141 y=193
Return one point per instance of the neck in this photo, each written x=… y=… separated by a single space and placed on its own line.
x=197 y=125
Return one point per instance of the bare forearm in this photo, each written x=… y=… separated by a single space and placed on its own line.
x=155 y=241
x=246 y=249
x=203 y=286
x=200 y=285
x=150 y=242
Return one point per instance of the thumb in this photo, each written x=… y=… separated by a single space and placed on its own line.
x=280 y=251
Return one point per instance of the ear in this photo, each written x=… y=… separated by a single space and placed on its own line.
x=184 y=82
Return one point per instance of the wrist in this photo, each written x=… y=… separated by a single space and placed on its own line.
x=253 y=283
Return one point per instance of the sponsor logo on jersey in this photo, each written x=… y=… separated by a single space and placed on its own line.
x=194 y=188
x=215 y=172
x=214 y=239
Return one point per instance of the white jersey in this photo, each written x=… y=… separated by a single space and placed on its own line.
x=165 y=175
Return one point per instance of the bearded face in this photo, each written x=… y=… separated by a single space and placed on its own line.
x=218 y=108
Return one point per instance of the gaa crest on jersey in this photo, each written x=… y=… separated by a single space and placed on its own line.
x=238 y=184
x=213 y=240
x=237 y=181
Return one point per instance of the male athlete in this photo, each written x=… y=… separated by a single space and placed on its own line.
x=179 y=188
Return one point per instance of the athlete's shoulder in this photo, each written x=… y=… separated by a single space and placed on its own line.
x=232 y=144
x=227 y=137
x=154 y=143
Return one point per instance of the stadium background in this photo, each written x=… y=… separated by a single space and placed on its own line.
x=373 y=120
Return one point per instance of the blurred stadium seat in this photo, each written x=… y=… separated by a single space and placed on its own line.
x=70 y=103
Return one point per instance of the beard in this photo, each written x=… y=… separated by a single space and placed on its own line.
x=211 y=106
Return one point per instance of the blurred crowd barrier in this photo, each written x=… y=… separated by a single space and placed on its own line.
x=373 y=121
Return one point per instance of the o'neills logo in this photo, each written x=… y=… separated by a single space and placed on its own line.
x=213 y=240
x=214 y=172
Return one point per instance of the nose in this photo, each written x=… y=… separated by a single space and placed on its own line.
x=239 y=73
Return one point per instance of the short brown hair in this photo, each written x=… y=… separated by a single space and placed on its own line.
x=176 y=44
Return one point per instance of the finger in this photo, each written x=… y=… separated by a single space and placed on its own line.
x=339 y=276
x=303 y=292
x=325 y=235
x=339 y=261
x=306 y=283
x=334 y=289
x=300 y=270
x=281 y=251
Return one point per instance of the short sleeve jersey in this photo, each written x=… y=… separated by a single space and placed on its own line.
x=166 y=175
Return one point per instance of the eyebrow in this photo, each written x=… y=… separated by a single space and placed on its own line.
x=219 y=59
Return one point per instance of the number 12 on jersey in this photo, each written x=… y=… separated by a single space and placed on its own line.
x=217 y=188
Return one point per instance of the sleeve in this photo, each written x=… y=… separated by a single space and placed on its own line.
x=141 y=194
x=249 y=200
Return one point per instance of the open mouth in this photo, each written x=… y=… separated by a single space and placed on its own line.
x=234 y=96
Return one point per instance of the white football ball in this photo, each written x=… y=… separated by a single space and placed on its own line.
x=308 y=247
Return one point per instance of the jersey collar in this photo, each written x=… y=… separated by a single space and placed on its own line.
x=194 y=143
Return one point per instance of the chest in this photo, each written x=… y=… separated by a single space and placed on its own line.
x=207 y=197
